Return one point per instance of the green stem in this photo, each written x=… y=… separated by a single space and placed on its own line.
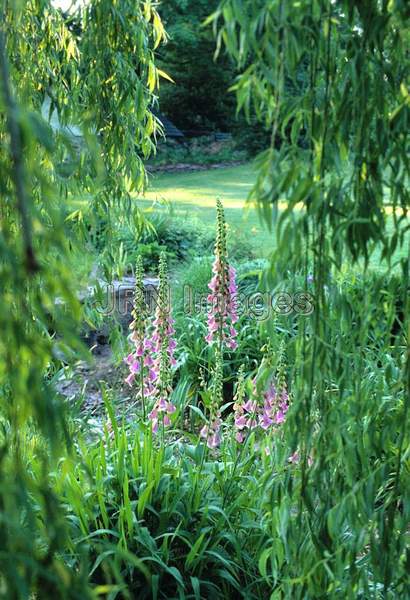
x=142 y=387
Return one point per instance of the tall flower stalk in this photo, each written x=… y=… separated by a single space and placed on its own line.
x=239 y=405
x=222 y=300
x=276 y=397
x=222 y=316
x=246 y=409
x=264 y=411
x=139 y=361
x=212 y=431
x=164 y=348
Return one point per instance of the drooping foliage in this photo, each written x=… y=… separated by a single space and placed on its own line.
x=330 y=79
x=331 y=82
x=101 y=78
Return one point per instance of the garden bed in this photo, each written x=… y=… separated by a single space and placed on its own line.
x=189 y=167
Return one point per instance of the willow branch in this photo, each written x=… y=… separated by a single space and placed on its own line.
x=16 y=151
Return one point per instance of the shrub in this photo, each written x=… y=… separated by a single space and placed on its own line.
x=180 y=238
x=204 y=150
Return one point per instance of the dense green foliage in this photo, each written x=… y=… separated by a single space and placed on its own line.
x=198 y=99
x=87 y=78
x=345 y=162
x=203 y=151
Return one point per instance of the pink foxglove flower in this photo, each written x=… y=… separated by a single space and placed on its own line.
x=265 y=411
x=245 y=410
x=130 y=379
x=160 y=371
x=138 y=359
x=222 y=300
x=222 y=315
x=295 y=459
x=211 y=433
x=275 y=407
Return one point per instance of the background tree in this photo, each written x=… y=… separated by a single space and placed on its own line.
x=199 y=98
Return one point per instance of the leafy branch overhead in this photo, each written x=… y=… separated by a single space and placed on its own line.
x=332 y=80
x=94 y=70
x=97 y=68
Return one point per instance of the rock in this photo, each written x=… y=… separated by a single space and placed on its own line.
x=116 y=298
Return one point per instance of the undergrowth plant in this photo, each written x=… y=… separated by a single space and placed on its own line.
x=162 y=521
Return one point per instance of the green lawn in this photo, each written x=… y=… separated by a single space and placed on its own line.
x=193 y=195
x=199 y=189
